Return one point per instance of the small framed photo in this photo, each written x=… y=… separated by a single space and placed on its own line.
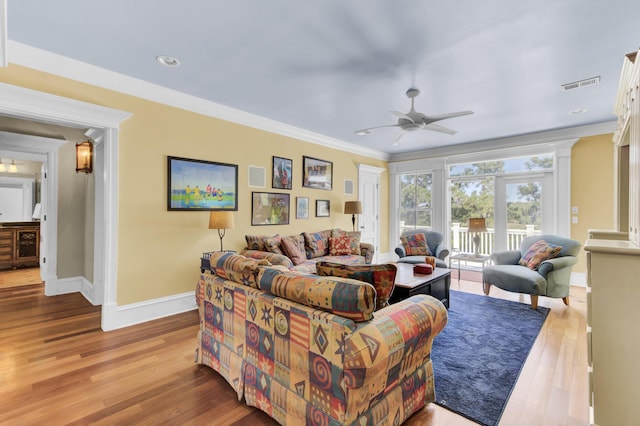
x=269 y=208
x=302 y=207
x=323 y=208
x=317 y=173
x=281 y=178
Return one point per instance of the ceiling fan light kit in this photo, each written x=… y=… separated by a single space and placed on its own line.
x=413 y=120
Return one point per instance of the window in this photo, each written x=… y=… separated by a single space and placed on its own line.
x=415 y=201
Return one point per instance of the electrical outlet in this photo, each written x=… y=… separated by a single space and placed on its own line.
x=574 y=210
x=574 y=219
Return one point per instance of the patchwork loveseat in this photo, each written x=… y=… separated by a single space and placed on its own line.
x=301 y=252
x=311 y=350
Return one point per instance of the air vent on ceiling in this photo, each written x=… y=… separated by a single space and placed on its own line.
x=582 y=83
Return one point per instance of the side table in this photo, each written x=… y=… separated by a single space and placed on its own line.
x=468 y=257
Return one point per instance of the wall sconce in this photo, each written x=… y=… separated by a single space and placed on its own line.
x=84 y=157
x=3 y=168
x=221 y=220
x=353 y=208
x=12 y=167
x=477 y=225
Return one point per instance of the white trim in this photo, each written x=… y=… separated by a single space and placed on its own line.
x=578 y=279
x=42 y=60
x=532 y=139
x=38 y=106
x=136 y=313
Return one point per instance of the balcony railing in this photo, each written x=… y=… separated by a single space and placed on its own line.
x=462 y=239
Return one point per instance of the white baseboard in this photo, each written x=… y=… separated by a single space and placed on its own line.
x=579 y=279
x=114 y=316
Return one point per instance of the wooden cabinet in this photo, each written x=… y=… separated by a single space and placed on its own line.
x=613 y=275
x=19 y=244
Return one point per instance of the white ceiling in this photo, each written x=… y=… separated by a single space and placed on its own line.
x=336 y=66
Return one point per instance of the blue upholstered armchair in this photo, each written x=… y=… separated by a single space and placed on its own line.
x=549 y=277
x=435 y=242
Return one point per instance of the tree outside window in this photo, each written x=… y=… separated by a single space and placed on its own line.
x=415 y=201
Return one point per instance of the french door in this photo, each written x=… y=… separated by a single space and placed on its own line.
x=524 y=205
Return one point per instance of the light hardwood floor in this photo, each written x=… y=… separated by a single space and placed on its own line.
x=57 y=367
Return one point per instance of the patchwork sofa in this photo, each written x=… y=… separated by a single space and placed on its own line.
x=313 y=350
x=301 y=252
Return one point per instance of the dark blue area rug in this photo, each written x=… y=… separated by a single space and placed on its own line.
x=479 y=355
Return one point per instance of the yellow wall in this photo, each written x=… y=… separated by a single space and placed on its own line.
x=592 y=180
x=159 y=250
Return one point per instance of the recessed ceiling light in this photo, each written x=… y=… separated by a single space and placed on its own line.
x=168 y=61
x=578 y=111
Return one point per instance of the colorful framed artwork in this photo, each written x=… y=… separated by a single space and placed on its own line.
x=323 y=208
x=302 y=207
x=269 y=208
x=196 y=185
x=317 y=173
x=282 y=169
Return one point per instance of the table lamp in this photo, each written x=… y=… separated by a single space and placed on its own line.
x=221 y=220
x=477 y=225
x=353 y=208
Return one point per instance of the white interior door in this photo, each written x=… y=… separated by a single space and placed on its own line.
x=369 y=195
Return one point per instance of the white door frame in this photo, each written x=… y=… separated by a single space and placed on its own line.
x=375 y=172
x=43 y=107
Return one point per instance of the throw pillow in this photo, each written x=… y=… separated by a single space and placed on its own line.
x=382 y=277
x=415 y=245
x=548 y=252
x=354 y=235
x=339 y=246
x=272 y=244
x=317 y=243
x=256 y=242
x=524 y=260
x=292 y=250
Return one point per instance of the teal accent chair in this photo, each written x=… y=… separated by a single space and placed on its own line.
x=551 y=279
x=435 y=242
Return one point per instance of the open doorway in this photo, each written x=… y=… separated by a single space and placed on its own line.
x=20 y=208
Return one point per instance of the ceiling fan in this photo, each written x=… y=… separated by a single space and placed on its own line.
x=414 y=120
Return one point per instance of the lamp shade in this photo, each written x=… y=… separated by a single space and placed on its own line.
x=221 y=220
x=84 y=157
x=477 y=224
x=353 y=207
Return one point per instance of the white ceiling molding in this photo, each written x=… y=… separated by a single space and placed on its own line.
x=550 y=136
x=48 y=62
x=3 y=33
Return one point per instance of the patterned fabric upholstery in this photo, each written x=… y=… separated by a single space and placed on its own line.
x=273 y=258
x=348 y=298
x=415 y=245
x=339 y=246
x=382 y=277
x=237 y=268
x=303 y=365
x=354 y=236
x=317 y=243
x=538 y=253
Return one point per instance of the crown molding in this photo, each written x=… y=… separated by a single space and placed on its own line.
x=546 y=137
x=31 y=57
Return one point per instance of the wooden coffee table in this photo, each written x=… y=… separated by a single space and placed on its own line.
x=407 y=284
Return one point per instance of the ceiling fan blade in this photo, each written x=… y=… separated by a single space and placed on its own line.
x=440 y=129
x=402 y=115
x=397 y=137
x=369 y=129
x=433 y=118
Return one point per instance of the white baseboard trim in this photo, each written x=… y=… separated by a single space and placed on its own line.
x=114 y=316
x=579 y=279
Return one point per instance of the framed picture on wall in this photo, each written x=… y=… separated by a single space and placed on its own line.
x=269 y=208
x=282 y=169
x=302 y=207
x=201 y=185
x=323 y=208
x=317 y=173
